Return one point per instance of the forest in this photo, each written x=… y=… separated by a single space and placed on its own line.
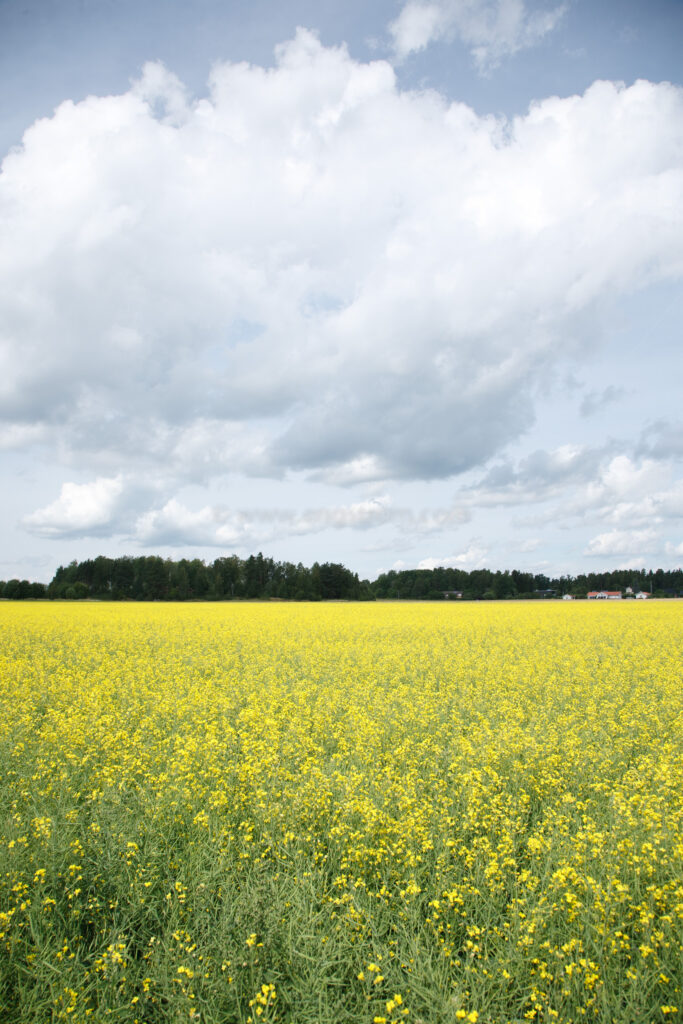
x=152 y=578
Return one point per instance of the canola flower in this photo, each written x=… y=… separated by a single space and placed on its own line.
x=367 y=813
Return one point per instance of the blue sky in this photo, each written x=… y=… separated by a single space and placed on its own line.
x=389 y=284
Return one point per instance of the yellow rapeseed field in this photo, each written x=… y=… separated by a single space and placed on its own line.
x=341 y=813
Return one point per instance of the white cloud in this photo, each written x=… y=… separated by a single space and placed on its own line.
x=121 y=506
x=579 y=488
x=361 y=514
x=655 y=506
x=417 y=26
x=175 y=524
x=473 y=557
x=633 y=543
x=80 y=509
x=492 y=29
x=363 y=469
x=587 y=482
x=311 y=270
x=626 y=488
x=212 y=525
x=164 y=93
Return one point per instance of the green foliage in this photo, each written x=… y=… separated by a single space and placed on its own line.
x=150 y=578
x=485 y=584
x=21 y=590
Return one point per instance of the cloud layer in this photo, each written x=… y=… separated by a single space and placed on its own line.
x=313 y=271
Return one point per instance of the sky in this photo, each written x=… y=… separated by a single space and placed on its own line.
x=395 y=285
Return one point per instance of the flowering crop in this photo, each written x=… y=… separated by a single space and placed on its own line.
x=362 y=813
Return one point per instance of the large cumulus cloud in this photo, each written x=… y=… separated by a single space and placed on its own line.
x=312 y=270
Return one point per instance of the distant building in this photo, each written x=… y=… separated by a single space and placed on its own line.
x=567 y=597
x=642 y=595
x=604 y=595
x=452 y=594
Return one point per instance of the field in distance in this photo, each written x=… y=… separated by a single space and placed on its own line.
x=341 y=813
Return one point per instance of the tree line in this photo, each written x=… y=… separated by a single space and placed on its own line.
x=151 y=578
x=486 y=584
